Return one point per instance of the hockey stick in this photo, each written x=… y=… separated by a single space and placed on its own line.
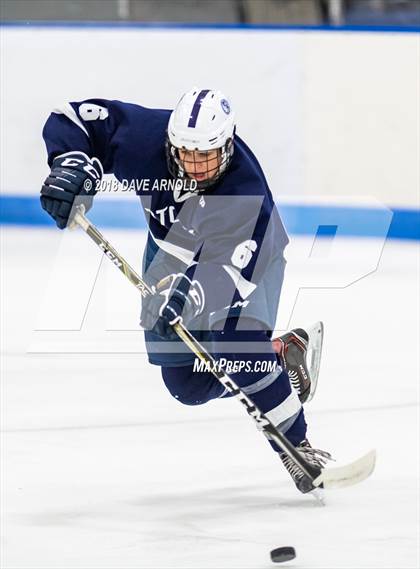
x=327 y=477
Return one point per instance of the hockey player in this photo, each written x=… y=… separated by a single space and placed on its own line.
x=214 y=251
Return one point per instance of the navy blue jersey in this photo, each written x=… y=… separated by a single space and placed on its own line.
x=226 y=235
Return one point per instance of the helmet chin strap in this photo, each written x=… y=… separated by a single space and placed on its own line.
x=225 y=159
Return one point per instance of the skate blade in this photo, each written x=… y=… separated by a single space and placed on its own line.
x=319 y=496
x=314 y=353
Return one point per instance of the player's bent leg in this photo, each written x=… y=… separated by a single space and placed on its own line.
x=191 y=387
x=269 y=390
x=274 y=395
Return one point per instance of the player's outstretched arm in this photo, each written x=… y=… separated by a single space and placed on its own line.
x=76 y=136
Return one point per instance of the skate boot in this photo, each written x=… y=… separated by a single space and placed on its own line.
x=313 y=456
x=291 y=350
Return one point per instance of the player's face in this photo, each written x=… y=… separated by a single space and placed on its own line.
x=200 y=166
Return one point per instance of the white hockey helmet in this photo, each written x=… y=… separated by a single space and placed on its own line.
x=203 y=120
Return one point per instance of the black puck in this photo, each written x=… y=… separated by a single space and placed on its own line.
x=282 y=554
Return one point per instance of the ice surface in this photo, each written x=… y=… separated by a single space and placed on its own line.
x=101 y=468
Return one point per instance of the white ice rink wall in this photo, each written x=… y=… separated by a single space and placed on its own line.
x=332 y=116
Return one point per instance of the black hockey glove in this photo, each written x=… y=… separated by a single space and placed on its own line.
x=177 y=299
x=72 y=174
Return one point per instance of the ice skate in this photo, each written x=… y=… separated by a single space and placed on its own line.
x=313 y=456
x=299 y=353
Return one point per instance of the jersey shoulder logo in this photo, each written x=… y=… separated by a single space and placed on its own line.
x=91 y=112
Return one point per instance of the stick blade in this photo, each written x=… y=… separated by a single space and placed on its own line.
x=349 y=474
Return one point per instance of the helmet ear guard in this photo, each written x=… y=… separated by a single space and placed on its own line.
x=227 y=153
